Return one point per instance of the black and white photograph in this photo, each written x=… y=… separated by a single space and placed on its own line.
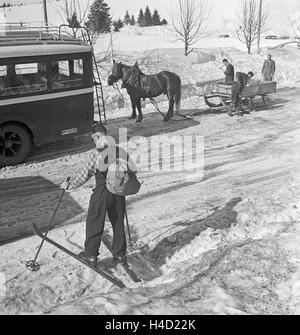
x=149 y=159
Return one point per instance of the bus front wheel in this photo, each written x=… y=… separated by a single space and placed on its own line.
x=15 y=144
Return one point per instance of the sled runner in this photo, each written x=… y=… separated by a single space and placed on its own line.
x=223 y=93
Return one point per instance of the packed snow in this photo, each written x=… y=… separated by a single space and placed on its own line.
x=228 y=244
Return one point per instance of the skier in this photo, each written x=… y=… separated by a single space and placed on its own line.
x=102 y=200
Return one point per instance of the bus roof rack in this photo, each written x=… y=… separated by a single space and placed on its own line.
x=20 y=33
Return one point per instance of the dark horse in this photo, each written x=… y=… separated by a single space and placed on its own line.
x=140 y=86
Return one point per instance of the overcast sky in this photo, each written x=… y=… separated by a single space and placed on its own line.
x=220 y=9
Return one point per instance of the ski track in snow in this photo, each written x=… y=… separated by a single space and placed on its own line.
x=226 y=245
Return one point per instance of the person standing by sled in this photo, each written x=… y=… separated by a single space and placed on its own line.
x=102 y=201
x=242 y=80
x=229 y=72
x=268 y=69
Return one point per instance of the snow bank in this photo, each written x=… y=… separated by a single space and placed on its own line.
x=156 y=50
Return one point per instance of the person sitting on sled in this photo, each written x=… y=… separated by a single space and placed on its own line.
x=102 y=200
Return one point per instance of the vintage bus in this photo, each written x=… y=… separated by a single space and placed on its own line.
x=46 y=93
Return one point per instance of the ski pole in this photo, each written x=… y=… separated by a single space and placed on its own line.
x=33 y=265
x=128 y=229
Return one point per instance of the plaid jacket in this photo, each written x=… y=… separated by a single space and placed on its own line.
x=100 y=161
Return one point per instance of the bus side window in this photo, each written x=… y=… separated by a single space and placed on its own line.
x=7 y=79
x=42 y=69
x=11 y=75
x=78 y=67
x=24 y=79
x=54 y=69
x=71 y=68
x=3 y=71
x=70 y=75
x=3 y=78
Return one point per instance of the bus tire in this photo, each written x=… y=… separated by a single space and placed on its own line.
x=15 y=144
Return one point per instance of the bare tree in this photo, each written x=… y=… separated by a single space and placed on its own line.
x=189 y=20
x=73 y=12
x=249 y=24
x=79 y=8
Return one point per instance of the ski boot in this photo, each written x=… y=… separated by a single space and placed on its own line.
x=89 y=259
x=119 y=260
x=229 y=113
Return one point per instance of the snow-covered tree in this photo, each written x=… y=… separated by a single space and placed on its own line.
x=69 y=9
x=156 y=18
x=99 y=19
x=127 y=18
x=248 y=26
x=141 y=19
x=132 y=20
x=189 y=19
x=148 y=17
x=73 y=21
x=118 y=24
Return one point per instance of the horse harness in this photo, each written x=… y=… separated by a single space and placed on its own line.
x=134 y=80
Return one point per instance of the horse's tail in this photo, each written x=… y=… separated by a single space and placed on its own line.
x=178 y=98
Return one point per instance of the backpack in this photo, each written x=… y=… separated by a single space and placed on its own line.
x=120 y=180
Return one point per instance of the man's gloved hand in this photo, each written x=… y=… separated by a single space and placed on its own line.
x=65 y=185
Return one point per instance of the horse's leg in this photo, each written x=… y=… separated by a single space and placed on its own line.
x=138 y=105
x=171 y=106
x=172 y=103
x=133 y=104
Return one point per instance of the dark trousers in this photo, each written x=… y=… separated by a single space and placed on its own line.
x=235 y=94
x=103 y=201
x=236 y=89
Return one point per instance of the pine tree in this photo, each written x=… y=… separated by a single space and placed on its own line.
x=99 y=19
x=141 y=19
x=115 y=25
x=127 y=18
x=132 y=20
x=164 y=22
x=148 y=17
x=73 y=21
x=118 y=24
x=156 y=18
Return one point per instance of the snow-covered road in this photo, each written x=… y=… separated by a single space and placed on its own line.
x=227 y=244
